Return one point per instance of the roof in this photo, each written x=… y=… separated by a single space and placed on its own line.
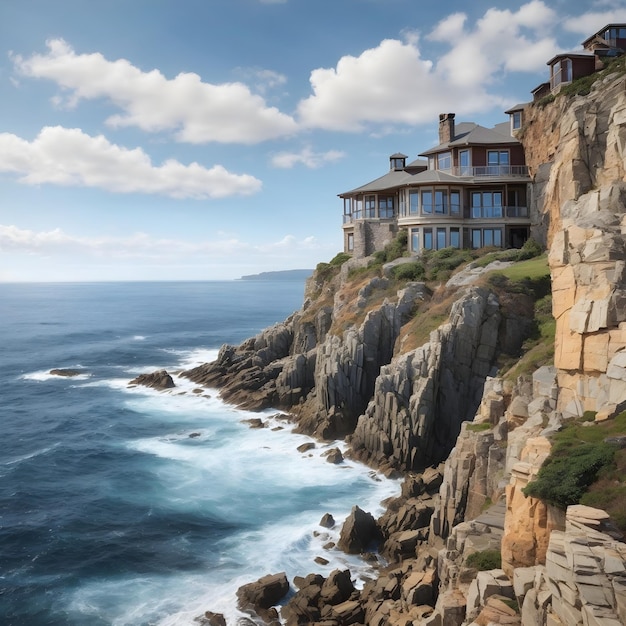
x=467 y=134
x=392 y=179
x=517 y=107
x=603 y=29
x=575 y=54
x=398 y=155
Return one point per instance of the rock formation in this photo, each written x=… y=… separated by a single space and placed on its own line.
x=159 y=380
x=341 y=368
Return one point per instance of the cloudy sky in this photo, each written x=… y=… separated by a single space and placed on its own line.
x=207 y=139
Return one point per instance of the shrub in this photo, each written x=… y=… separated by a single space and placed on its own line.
x=409 y=271
x=339 y=259
x=529 y=250
x=485 y=560
x=478 y=428
x=579 y=456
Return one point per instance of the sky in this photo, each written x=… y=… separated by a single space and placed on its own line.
x=209 y=139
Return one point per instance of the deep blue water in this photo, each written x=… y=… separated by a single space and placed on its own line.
x=110 y=512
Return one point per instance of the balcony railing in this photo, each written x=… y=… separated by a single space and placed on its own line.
x=490 y=171
x=502 y=212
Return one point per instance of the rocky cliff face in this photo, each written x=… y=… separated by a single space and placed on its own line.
x=340 y=367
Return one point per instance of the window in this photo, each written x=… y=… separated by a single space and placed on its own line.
x=444 y=161
x=402 y=208
x=397 y=164
x=431 y=162
x=427 y=202
x=441 y=238
x=497 y=157
x=370 y=206
x=455 y=203
x=428 y=239
x=465 y=163
x=516 y=120
x=441 y=201
x=482 y=238
x=415 y=239
x=350 y=242
x=347 y=210
x=486 y=204
x=358 y=208
x=385 y=206
x=455 y=238
x=414 y=201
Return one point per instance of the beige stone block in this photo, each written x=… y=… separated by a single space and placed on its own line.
x=567 y=346
x=595 y=352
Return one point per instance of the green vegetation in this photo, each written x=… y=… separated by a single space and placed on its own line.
x=485 y=560
x=478 y=428
x=583 y=467
x=326 y=271
x=393 y=250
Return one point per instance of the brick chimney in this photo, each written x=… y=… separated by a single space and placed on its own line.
x=446 y=127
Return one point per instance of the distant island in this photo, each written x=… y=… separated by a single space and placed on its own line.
x=280 y=275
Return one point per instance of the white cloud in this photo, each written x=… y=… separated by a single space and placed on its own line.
x=197 y=112
x=592 y=21
x=306 y=157
x=69 y=157
x=143 y=247
x=394 y=84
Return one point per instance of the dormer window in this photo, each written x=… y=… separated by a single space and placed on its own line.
x=516 y=120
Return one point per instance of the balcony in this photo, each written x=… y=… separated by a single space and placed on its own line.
x=490 y=171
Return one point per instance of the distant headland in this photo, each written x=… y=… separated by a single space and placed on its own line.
x=280 y=275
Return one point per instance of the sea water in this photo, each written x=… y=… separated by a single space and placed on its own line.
x=126 y=506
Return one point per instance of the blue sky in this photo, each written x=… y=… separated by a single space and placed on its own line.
x=208 y=139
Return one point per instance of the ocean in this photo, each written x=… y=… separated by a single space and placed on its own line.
x=129 y=506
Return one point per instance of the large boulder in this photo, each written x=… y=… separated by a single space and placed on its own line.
x=259 y=596
x=159 y=380
x=358 y=532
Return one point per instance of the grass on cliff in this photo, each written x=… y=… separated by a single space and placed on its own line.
x=584 y=468
x=526 y=288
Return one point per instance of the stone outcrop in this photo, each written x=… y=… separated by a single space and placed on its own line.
x=260 y=596
x=422 y=397
x=160 y=380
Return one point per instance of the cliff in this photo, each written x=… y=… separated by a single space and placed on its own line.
x=450 y=381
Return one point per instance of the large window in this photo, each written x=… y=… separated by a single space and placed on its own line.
x=441 y=238
x=516 y=120
x=455 y=238
x=441 y=201
x=414 y=202
x=497 y=157
x=415 y=239
x=444 y=161
x=465 y=163
x=483 y=237
x=427 y=202
x=350 y=242
x=428 y=239
x=486 y=204
x=358 y=208
x=385 y=206
x=402 y=208
x=370 y=206
x=455 y=203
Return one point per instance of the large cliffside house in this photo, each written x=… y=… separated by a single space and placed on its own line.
x=607 y=43
x=470 y=192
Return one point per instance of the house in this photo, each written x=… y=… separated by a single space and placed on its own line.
x=607 y=43
x=471 y=191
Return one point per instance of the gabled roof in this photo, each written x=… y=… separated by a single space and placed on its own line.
x=468 y=134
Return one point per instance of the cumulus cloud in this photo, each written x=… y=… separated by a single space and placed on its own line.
x=394 y=84
x=141 y=246
x=306 y=157
x=592 y=21
x=196 y=111
x=69 y=157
